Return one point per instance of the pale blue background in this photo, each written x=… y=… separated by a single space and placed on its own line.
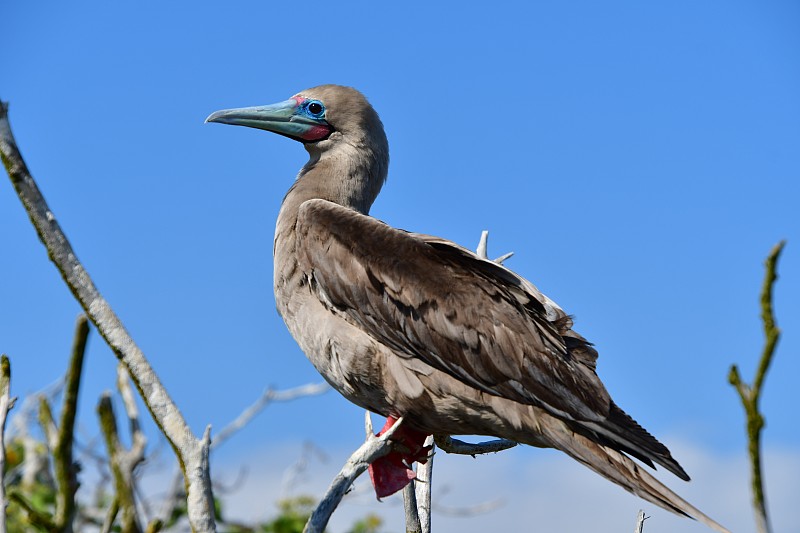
x=640 y=158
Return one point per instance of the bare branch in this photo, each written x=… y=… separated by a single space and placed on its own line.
x=483 y=247
x=451 y=445
x=410 y=507
x=640 y=518
x=372 y=448
x=63 y=463
x=6 y=403
x=269 y=396
x=500 y=260
x=138 y=439
x=193 y=454
x=123 y=483
x=423 y=486
x=750 y=395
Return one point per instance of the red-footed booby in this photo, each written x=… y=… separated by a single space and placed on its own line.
x=405 y=324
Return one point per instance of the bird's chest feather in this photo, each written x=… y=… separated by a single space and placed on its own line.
x=361 y=369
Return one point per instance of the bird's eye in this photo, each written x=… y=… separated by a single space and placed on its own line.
x=315 y=108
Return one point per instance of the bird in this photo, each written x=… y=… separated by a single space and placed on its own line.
x=411 y=325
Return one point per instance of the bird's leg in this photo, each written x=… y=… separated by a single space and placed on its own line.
x=393 y=471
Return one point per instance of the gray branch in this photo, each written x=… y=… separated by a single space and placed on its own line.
x=410 y=507
x=192 y=453
x=423 y=486
x=640 y=518
x=451 y=445
x=372 y=448
x=483 y=247
x=269 y=396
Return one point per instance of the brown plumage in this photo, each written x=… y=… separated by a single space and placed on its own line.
x=410 y=325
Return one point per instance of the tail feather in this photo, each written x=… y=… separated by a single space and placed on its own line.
x=623 y=433
x=623 y=471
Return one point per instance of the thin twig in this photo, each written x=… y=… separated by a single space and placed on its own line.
x=483 y=249
x=6 y=403
x=192 y=453
x=750 y=394
x=133 y=457
x=267 y=397
x=451 y=445
x=372 y=448
x=640 y=518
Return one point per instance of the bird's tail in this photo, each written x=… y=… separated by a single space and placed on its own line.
x=623 y=471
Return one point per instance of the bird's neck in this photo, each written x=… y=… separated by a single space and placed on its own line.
x=348 y=175
x=351 y=176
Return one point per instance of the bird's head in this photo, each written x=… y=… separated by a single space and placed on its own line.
x=341 y=132
x=322 y=116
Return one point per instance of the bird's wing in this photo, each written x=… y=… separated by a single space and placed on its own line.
x=429 y=299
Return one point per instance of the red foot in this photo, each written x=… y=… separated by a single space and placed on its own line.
x=391 y=472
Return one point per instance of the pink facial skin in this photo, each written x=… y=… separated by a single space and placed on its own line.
x=316 y=133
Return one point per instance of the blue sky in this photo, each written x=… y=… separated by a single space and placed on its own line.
x=640 y=158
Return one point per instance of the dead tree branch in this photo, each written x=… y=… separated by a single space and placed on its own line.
x=459 y=447
x=483 y=247
x=411 y=509
x=640 y=518
x=192 y=453
x=423 y=486
x=750 y=394
x=120 y=467
x=269 y=396
x=372 y=448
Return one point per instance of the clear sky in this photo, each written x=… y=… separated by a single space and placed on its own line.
x=641 y=158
